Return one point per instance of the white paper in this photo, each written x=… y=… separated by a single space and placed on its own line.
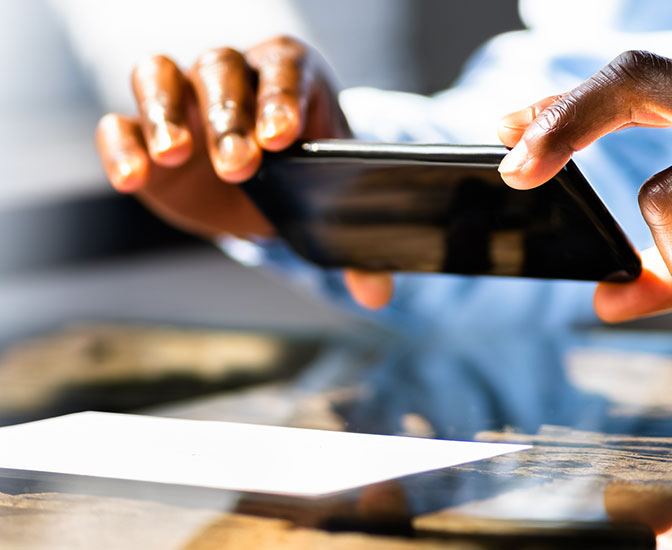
x=225 y=455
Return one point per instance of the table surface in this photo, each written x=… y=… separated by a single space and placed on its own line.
x=596 y=405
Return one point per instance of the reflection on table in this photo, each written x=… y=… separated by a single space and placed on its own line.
x=595 y=405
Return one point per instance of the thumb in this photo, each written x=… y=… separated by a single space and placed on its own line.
x=629 y=91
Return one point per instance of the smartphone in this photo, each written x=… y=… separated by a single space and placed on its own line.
x=438 y=209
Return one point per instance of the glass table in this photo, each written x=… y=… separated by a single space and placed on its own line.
x=595 y=404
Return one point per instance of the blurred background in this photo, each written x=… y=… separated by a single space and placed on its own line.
x=74 y=254
x=102 y=305
x=71 y=248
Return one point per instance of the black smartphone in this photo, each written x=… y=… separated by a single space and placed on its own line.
x=437 y=208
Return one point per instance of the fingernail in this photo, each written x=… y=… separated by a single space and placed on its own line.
x=515 y=160
x=235 y=151
x=274 y=120
x=518 y=120
x=170 y=144
x=168 y=136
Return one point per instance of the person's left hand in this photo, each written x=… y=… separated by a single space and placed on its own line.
x=198 y=131
x=632 y=90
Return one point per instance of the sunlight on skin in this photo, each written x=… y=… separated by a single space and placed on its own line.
x=629 y=91
x=197 y=129
x=650 y=294
x=647 y=504
x=370 y=290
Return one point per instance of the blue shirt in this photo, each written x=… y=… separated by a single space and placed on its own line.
x=557 y=52
x=484 y=353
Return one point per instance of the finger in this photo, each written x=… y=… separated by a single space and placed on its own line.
x=639 y=503
x=122 y=151
x=282 y=96
x=650 y=294
x=370 y=290
x=630 y=91
x=655 y=202
x=385 y=499
x=512 y=126
x=221 y=79
x=158 y=85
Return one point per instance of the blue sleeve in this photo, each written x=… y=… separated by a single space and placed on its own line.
x=468 y=113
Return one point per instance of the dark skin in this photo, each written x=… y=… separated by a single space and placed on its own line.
x=175 y=156
x=200 y=130
x=632 y=90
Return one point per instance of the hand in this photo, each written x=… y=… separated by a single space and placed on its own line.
x=650 y=504
x=632 y=90
x=199 y=131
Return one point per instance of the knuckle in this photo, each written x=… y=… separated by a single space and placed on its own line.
x=106 y=120
x=156 y=82
x=218 y=57
x=282 y=48
x=289 y=45
x=275 y=94
x=639 y=68
x=117 y=134
x=539 y=107
x=149 y=68
x=558 y=115
x=153 y=61
x=108 y=124
x=224 y=116
x=655 y=199
x=221 y=78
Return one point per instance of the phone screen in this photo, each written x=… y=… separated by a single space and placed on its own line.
x=439 y=209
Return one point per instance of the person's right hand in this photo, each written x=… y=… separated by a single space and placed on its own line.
x=632 y=90
x=199 y=131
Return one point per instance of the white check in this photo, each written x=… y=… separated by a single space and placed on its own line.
x=225 y=455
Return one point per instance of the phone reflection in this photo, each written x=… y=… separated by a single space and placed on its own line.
x=549 y=390
x=593 y=404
